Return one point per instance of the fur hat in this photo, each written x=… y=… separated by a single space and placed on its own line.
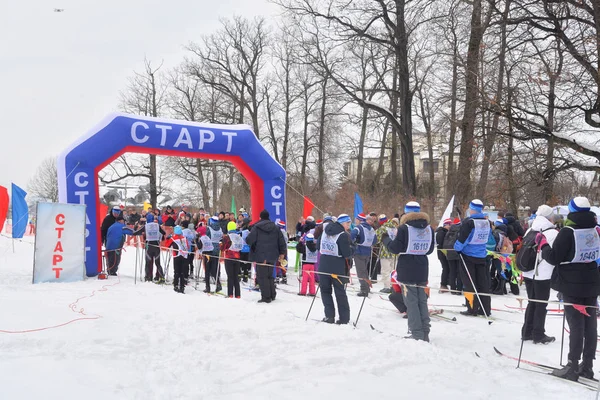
x=579 y=204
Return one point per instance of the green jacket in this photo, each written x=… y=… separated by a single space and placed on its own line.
x=383 y=251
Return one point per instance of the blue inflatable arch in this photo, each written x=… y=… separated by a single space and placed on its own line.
x=117 y=134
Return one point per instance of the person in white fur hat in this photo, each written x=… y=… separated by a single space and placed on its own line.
x=537 y=281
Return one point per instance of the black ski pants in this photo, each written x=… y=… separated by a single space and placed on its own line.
x=479 y=272
x=153 y=257
x=584 y=329
x=266 y=280
x=328 y=285
x=535 y=314
x=179 y=266
x=113 y=259
x=232 y=267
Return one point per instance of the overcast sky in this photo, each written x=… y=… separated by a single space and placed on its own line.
x=61 y=73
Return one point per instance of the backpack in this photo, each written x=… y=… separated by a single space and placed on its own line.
x=505 y=245
x=527 y=254
x=449 y=240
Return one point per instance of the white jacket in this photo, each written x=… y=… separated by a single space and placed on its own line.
x=543 y=272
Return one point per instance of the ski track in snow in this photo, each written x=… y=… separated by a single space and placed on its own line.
x=153 y=343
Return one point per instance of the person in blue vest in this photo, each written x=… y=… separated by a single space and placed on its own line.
x=574 y=253
x=245 y=265
x=115 y=238
x=215 y=233
x=471 y=247
x=414 y=241
x=364 y=236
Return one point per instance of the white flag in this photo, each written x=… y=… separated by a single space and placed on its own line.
x=448 y=211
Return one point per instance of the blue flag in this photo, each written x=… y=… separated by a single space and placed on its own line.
x=358 y=205
x=20 y=212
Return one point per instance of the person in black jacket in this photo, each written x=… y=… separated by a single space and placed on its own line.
x=413 y=242
x=266 y=247
x=108 y=221
x=515 y=230
x=574 y=253
x=440 y=234
x=335 y=249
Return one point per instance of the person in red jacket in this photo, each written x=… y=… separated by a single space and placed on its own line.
x=180 y=246
x=231 y=245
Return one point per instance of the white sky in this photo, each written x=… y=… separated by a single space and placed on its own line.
x=61 y=73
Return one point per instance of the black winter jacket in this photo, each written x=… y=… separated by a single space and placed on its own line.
x=108 y=221
x=266 y=242
x=331 y=264
x=440 y=234
x=410 y=268
x=573 y=279
x=514 y=228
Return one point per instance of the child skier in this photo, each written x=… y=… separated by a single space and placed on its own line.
x=180 y=246
x=309 y=251
x=282 y=272
x=215 y=234
x=190 y=235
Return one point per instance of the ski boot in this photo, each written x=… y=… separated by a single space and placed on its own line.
x=569 y=371
x=586 y=369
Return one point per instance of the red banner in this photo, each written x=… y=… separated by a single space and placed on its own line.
x=308 y=207
x=3 y=206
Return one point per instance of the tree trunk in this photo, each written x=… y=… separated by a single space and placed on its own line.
x=465 y=164
x=203 y=185
x=490 y=139
x=215 y=188
x=394 y=151
x=153 y=189
x=361 y=147
x=305 y=143
x=381 y=163
x=452 y=139
x=321 y=152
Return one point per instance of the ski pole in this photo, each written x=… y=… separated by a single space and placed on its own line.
x=520 y=352
x=562 y=340
x=359 y=311
x=136 y=265
x=313 y=302
x=475 y=290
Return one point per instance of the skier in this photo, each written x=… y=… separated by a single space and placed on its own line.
x=107 y=222
x=413 y=242
x=190 y=234
x=471 y=246
x=454 y=264
x=180 y=246
x=363 y=235
x=574 y=253
x=153 y=234
x=231 y=245
x=440 y=233
x=386 y=258
x=335 y=248
x=215 y=234
x=281 y=272
x=498 y=271
x=266 y=247
x=115 y=240
x=308 y=249
x=537 y=281
x=245 y=265
x=396 y=297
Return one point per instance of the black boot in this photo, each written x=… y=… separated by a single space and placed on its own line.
x=570 y=371
x=329 y=320
x=586 y=369
x=544 y=340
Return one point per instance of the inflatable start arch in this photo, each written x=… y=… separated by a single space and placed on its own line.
x=79 y=165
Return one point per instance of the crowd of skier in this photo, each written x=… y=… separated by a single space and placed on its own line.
x=477 y=257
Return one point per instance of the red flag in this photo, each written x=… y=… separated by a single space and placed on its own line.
x=3 y=206
x=308 y=207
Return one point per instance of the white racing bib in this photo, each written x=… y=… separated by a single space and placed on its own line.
x=311 y=256
x=419 y=241
x=152 y=232
x=285 y=236
x=207 y=244
x=329 y=245
x=481 y=232
x=236 y=242
x=369 y=235
x=182 y=245
x=587 y=245
x=215 y=235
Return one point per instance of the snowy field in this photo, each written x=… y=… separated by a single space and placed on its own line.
x=145 y=341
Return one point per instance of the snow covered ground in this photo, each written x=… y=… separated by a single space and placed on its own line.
x=148 y=342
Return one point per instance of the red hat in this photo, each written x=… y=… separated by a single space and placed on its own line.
x=121 y=206
x=281 y=223
x=361 y=217
x=319 y=221
x=456 y=221
x=447 y=221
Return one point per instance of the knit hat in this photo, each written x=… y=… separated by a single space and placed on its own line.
x=579 y=204
x=383 y=218
x=281 y=224
x=116 y=209
x=327 y=217
x=191 y=226
x=498 y=222
x=456 y=221
x=310 y=218
x=361 y=217
x=544 y=211
x=149 y=218
x=476 y=205
x=412 y=206
x=343 y=218
x=177 y=230
x=264 y=214
x=319 y=221
x=309 y=237
x=214 y=218
x=396 y=221
x=231 y=226
x=447 y=221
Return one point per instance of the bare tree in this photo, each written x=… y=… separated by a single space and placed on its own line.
x=43 y=186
